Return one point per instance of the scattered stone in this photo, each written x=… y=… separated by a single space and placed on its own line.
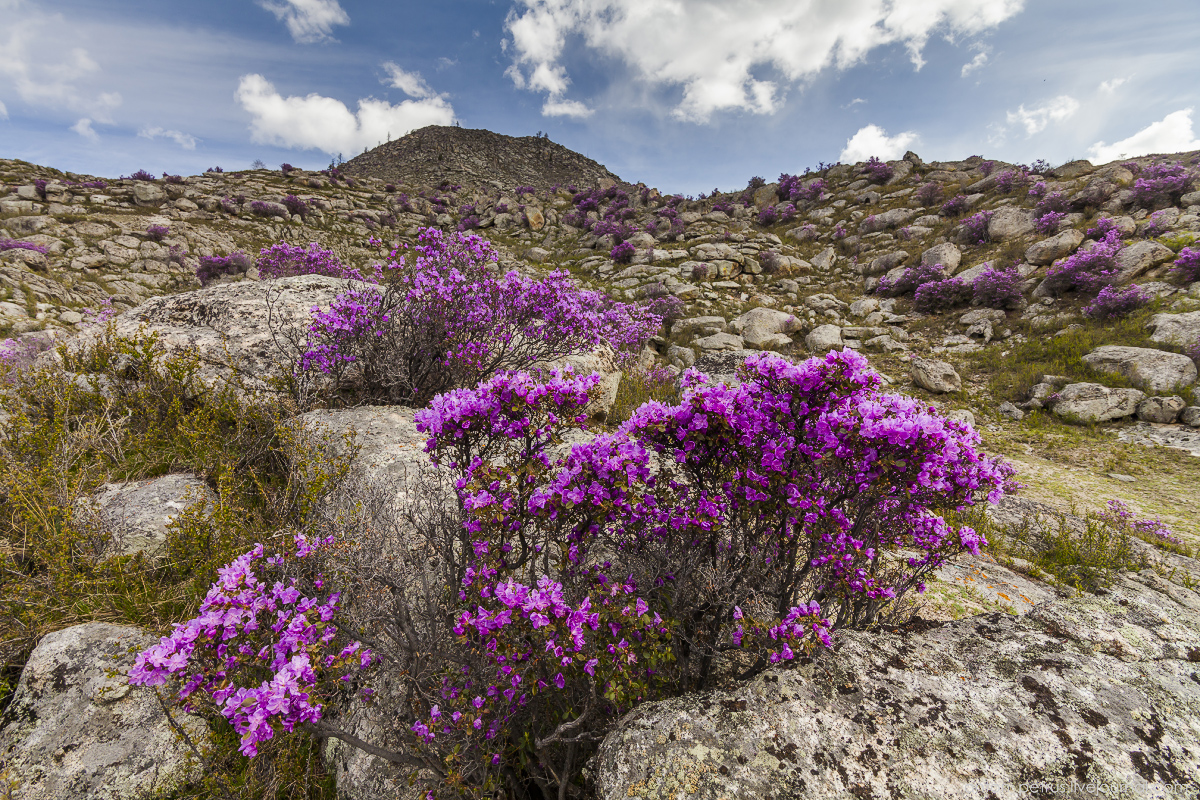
x=1140 y=257
x=935 y=376
x=1191 y=416
x=1163 y=410
x=947 y=254
x=1182 y=330
x=1091 y=402
x=1116 y=476
x=883 y=263
x=823 y=338
x=765 y=328
x=1050 y=250
x=720 y=341
x=961 y=415
x=1010 y=223
x=76 y=729
x=1011 y=412
x=1155 y=371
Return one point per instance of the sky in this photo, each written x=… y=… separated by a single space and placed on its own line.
x=684 y=95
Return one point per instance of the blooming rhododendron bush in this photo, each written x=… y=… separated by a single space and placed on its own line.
x=554 y=587
x=444 y=317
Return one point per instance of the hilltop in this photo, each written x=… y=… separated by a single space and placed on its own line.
x=440 y=154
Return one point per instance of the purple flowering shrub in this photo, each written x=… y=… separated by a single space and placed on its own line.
x=1012 y=179
x=997 y=288
x=141 y=175
x=557 y=588
x=1161 y=184
x=173 y=179
x=283 y=260
x=295 y=205
x=929 y=194
x=767 y=217
x=1103 y=226
x=212 y=267
x=260 y=653
x=987 y=167
x=285 y=168
x=1186 y=268
x=878 y=171
x=911 y=279
x=723 y=206
x=1120 y=517
x=1112 y=302
x=935 y=296
x=17 y=244
x=954 y=207
x=1086 y=271
x=623 y=252
x=39 y=186
x=264 y=209
x=975 y=227
x=444 y=318
x=1157 y=225
x=1048 y=222
x=156 y=233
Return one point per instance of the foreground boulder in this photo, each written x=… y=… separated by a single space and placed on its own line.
x=1099 y=689
x=1182 y=330
x=765 y=328
x=1155 y=371
x=1091 y=402
x=77 y=729
x=935 y=376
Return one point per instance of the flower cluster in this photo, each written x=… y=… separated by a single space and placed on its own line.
x=1186 y=268
x=141 y=175
x=623 y=253
x=249 y=627
x=929 y=194
x=955 y=207
x=452 y=321
x=1012 y=180
x=156 y=233
x=912 y=278
x=262 y=208
x=283 y=260
x=1119 y=516
x=934 y=296
x=1086 y=271
x=17 y=244
x=878 y=171
x=975 y=227
x=1112 y=302
x=998 y=288
x=1161 y=184
x=1102 y=228
x=1048 y=223
x=212 y=267
x=295 y=205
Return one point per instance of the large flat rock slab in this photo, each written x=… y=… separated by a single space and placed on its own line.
x=1098 y=689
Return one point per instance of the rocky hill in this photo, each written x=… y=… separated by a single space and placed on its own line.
x=478 y=158
x=971 y=284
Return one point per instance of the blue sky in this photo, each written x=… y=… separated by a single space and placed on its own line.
x=686 y=95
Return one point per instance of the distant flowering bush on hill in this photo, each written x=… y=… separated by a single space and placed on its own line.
x=1112 y=302
x=911 y=279
x=1186 y=268
x=295 y=205
x=443 y=318
x=16 y=244
x=878 y=171
x=141 y=175
x=555 y=589
x=998 y=288
x=955 y=207
x=1086 y=271
x=213 y=267
x=283 y=260
x=156 y=233
x=623 y=253
x=935 y=296
x=929 y=194
x=1161 y=184
x=975 y=227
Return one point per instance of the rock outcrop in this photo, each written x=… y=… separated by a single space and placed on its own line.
x=1097 y=690
x=76 y=729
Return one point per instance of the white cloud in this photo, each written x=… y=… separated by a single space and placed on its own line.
x=325 y=123
x=1108 y=87
x=411 y=83
x=308 y=21
x=1171 y=134
x=874 y=141
x=975 y=63
x=854 y=102
x=1037 y=118
x=184 y=140
x=84 y=128
x=3 y=110
x=44 y=80
x=565 y=108
x=716 y=51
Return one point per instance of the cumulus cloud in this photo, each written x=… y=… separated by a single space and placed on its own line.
x=1108 y=87
x=716 y=51
x=565 y=108
x=874 y=141
x=84 y=128
x=325 y=123
x=308 y=21
x=40 y=78
x=1037 y=118
x=184 y=140
x=411 y=83
x=975 y=63
x=1171 y=134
